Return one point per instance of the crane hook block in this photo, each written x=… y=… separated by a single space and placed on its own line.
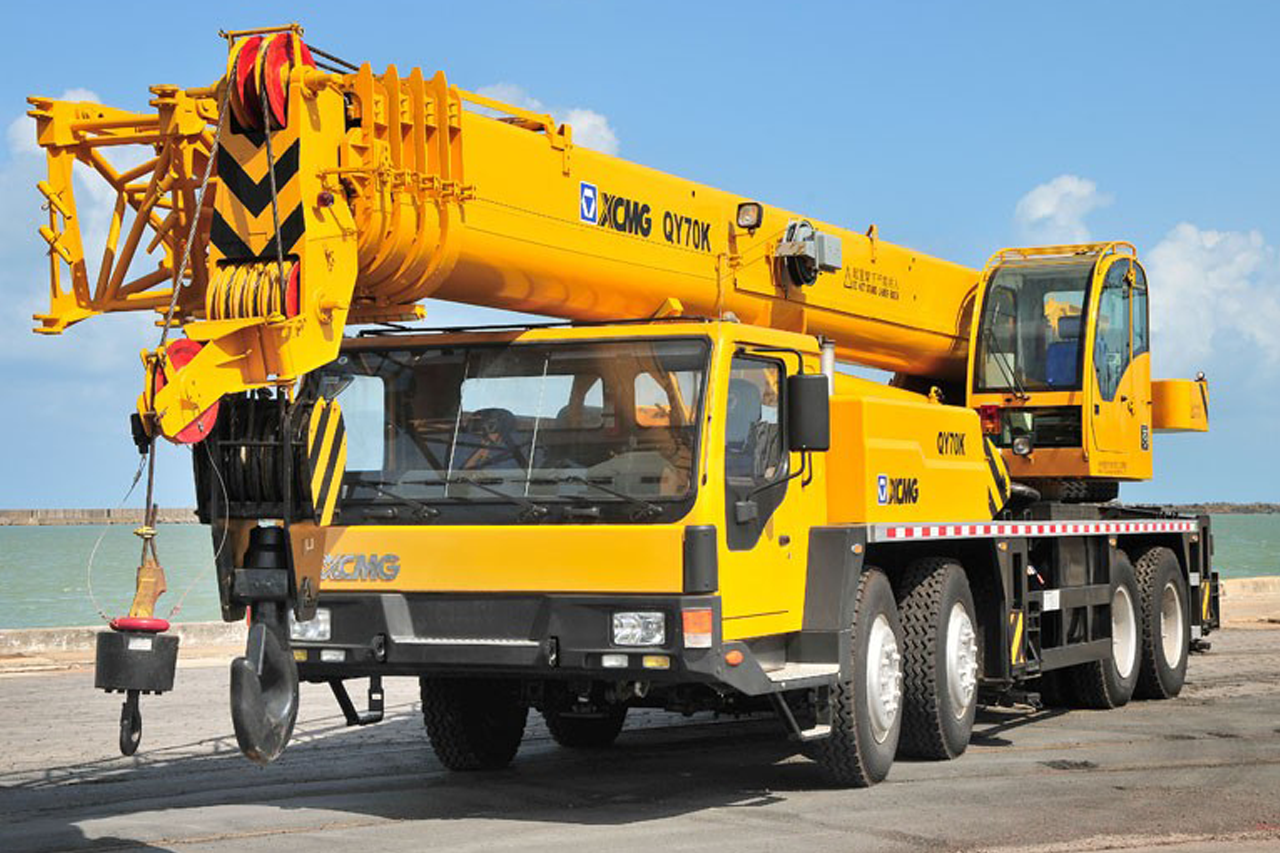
x=264 y=687
x=135 y=657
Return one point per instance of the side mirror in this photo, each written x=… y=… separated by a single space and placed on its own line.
x=808 y=412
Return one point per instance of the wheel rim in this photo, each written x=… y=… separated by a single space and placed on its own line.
x=1171 y=624
x=962 y=660
x=1124 y=632
x=884 y=678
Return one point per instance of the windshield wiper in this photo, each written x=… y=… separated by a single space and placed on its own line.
x=417 y=506
x=530 y=511
x=646 y=508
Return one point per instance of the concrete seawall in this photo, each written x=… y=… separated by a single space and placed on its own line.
x=43 y=641
x=128 y=515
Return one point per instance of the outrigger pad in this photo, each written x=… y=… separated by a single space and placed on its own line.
x=264 y=696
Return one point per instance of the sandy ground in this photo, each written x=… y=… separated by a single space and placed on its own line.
x=1199 y=773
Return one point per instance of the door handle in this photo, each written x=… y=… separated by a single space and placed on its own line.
x=784 y=540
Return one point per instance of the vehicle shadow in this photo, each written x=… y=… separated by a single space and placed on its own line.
x=388 y=772
x=992 y=722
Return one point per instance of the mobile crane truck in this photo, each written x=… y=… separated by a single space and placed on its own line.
x=672 y=499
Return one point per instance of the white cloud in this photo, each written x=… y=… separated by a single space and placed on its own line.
x=1210 y=289
x=1054 y=212
x=590 y=128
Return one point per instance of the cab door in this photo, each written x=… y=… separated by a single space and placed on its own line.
x=1117 y=412
x=762 y=557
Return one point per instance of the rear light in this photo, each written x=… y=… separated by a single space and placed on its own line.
x=990 y=417
x=697 y=629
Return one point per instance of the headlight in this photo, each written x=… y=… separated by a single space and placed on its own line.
x=639 y=629
x=315 y=630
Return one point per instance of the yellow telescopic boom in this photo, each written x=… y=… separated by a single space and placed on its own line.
x=374 y=191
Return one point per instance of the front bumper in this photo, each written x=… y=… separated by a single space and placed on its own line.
x=523 y=635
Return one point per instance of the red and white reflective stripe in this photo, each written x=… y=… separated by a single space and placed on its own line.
x=984 y=530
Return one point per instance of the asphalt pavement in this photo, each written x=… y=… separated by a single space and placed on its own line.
x=1198 y=773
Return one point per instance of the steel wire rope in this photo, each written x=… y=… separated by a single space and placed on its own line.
x=93 y=552
x=147 y=531
x=217 y=552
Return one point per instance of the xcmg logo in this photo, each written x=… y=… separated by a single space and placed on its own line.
x=614 y=211
x=360 y=567
x=897 y=490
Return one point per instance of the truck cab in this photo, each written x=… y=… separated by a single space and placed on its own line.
x=663 y=448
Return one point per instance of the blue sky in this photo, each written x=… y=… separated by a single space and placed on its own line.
x=957 y=128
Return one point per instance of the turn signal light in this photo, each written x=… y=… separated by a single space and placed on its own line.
x=990 y=417
x=697 y=629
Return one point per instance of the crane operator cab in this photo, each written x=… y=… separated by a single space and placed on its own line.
x=1060 y=370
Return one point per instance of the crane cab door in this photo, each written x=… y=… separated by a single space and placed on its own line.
x=762 y=559
x=1120 y=379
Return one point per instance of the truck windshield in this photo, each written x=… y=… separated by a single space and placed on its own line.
x=520 y=433
x=1032 y=324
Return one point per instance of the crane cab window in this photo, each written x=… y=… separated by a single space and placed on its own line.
x=1141 y=326
x=1032 y=326
x=1112 y=351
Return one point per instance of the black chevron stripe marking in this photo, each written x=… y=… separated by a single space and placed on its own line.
x=230 y=244
x=1002 y=485
x=314 y=459
x=256 y=195
x=331 y=472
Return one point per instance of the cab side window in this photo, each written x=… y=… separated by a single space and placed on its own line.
x=1111 y=350
x=1141 y=327
x=753 y=452
x=753 y=437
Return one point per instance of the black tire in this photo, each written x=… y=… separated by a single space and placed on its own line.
x=586 y=732
x=1100 y=684
x=936 y=723
x=473 y=723
x=852 y=755
x=1158 y=570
